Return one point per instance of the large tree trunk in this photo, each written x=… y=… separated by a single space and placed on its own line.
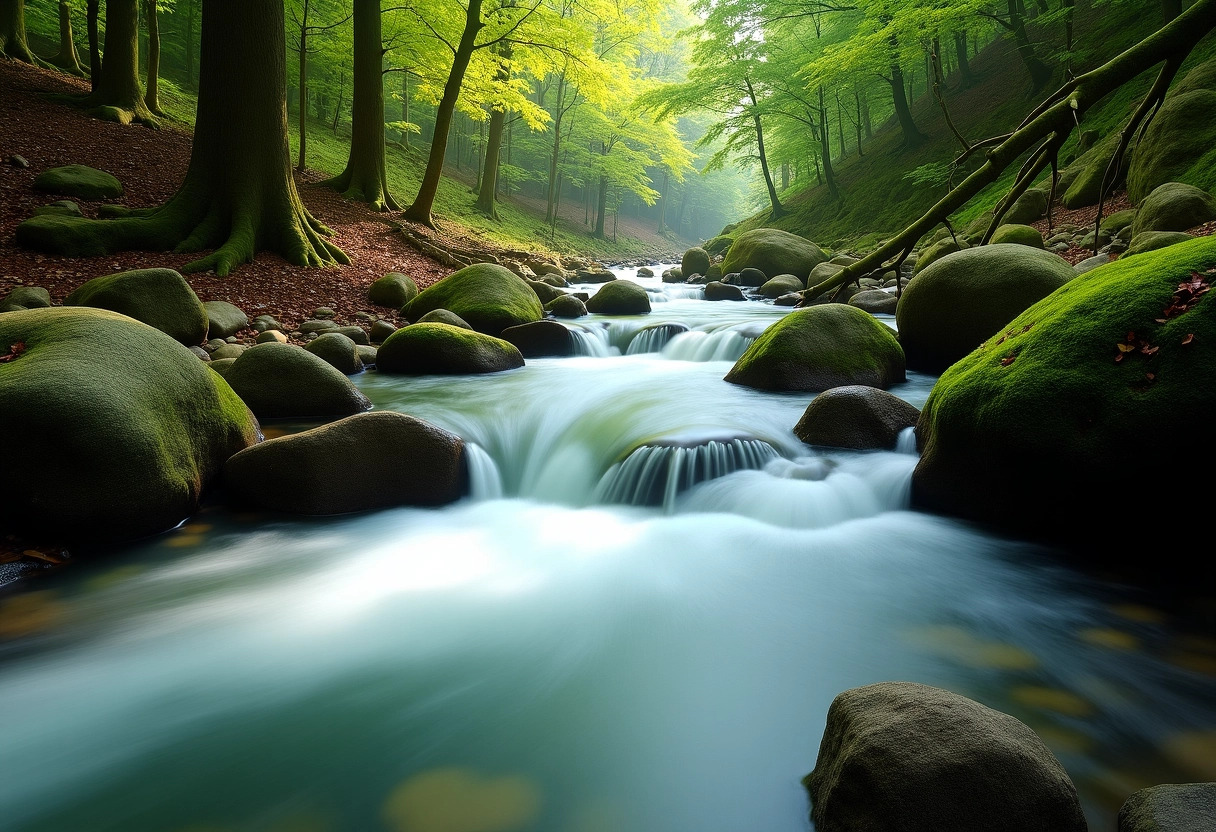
x=150 y=97
x=191 y=10
x=912 y=135
x=777 y=208
x=365 y=178
x=555 y=156
x=1040 y=73
x=92 y=9
x=67 y=59
x=12 y=32
x=420 y=210
x=965 y=77
x=238 y=196
x=662 y=203
x=493 y=149
x=303 y=115
x=825 y=148
x=119 y=85
x=405 y=107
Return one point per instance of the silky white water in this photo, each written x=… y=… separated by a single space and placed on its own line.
x=546 y=655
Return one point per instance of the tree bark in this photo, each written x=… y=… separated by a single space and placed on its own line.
x=150 y=96
x=302 y=43
x=191 y=10
x=601 y=207
x=912 y=135
x=238 y=196
x=420 y=210
x=67 y=59
x=119 y=85
x=1040 y=73
x=405 y=107
x=365 y=178
x=663 y=203
x=778 y=209
x=489 y=176
x=92 y=9
x=558 y=112
x=12 y=32
x=965 y=77
x=825 y=148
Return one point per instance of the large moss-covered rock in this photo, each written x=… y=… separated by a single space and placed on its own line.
x=1153 y=240
x=224 y=319
x=338 y=351
x=1171 y=807
x=773 y=252
x=540 y=339
x=486 y=295
x=936 y=251
x=1174 y=206
x=79 y=181
x=567 y=306
x=694 y=261
x=780 y=285
x=875 y=301
x=855 y=416
x=1022 y=235
x=283 y=381
x=620 y=297
x=545 y=292
x=719 y=245
x=159 y=297
x=1086 y=174
x=394 y=289
x=63 y=235
x=908 y=757
x=366 y=461
x=1060 y=425
x=112 y=428
x=963 y=298
x=444 y=316
x=819 y=348
x=716 y=290
x=30 y=297
x=1030 y=206
x=1179 y=144
x=441 y=349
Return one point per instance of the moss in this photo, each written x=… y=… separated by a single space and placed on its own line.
x=780 y=285
x=567 y=306
x=443 y=316
x=159 y=297
x=935 y=252
x=441 y=349
x=1174 y=206
x=337 y=350
x=819 y=348
x=1040 y=428
x=113 y=429
x=1180 y=142
x=282 y=381
x=1088 y=172
x=67 y=236
x=619 y=297
x=1153 y=240
x=773 y=252
x=719 y=245
x=694 y=261
x=1022 y=235
x=958 y=301
x=31 y=297
x=78 y=181
x=224 y=319
x=489 y=297
x=394 y=289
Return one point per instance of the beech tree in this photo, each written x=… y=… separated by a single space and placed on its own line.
x=238 y=196
x=12 y=32
x=67 y=58
x=117 y=88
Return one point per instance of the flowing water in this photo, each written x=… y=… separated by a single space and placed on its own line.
x=636 y=622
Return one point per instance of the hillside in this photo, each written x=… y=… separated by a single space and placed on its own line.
x=878 y=199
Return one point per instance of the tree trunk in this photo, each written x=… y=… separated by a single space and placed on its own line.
x=844 y=151
x=119 y=85
x=663 y=203
x=333 y=127
x=865 y=116
x=405 y=107
x=966 y=79
x=1040 y=73
x=67 y=59
x=785 y=176
x=190 y=12
x=825 y=148
x=365 y=178
x=601 y=207
x=150 y=96
x=420 y=210
x=238 y=196
x=92 y=10
x=857 y=124
x=912 y=135
x=12 y=32
x=303 y=125
x=778 y=209
x=551 y=201
x=489 y=175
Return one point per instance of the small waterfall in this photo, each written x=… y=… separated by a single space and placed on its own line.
x=654 y=338
x=592 y=341
x=655 y=475
x=485 y=482
x=906 y=442
x=621 y=333
x=723 y=345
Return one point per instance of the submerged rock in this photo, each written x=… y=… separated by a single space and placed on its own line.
x=819 y=348
x=113 y=428
x=913 y=758
x=399 y=460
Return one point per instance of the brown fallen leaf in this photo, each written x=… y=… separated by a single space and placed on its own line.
x=1190 y=336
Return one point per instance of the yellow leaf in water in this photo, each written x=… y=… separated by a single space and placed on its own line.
x=32 y=612
x=1052 y=699
x=461 y=800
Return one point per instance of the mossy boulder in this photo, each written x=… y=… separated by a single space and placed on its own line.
x=694 y=261
x=875 y=301
x=489 y=297
x=1174 y=206
x=821 y=347
x=1022 y=235
x=960 y=300
x=567 y=306
x=396 y=460
x=780 y=285
x=1087 y=173
x=545 y=292
x=1153 y=240
x=913 y=758
x=59 y=208
x=716 y=290
x=1114 y=223
x=719 y=245
x=30 y=297
x=79 y=181
x=444 y=316
x=773 y=251
x=283 y=381
x=113 y=428
x=540 y=339
x=620 y=297
x=442 y=349
x=1170 y=807
x=160 y=298
x=224 y=319
x=338 y=351
x=1179 y=144
x=855 y=416
x=62 y=235
x=1030 y=206
x=381 y=330
x=1059 y=416
x=673 y=276
x=394 y=290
